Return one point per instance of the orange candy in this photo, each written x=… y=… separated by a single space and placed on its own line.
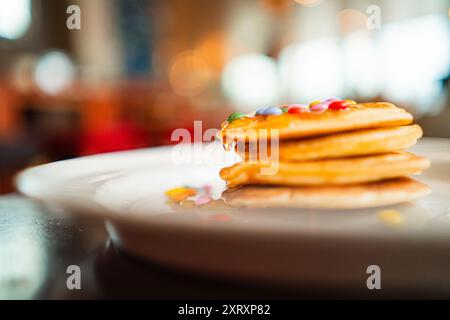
x=180 y=193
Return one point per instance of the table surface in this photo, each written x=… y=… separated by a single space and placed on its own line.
x=38 y=243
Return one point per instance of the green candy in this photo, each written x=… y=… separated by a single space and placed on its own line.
x=235 y=116
x=284 y=109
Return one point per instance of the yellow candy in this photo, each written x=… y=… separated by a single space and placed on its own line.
x=350 y=101
x=312 y=104
x=174 y=191
x=391 y=217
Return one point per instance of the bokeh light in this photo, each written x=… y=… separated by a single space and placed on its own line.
x=212 y=49
x=362 y=65
x=414 y=57
x=22 y=69
x=351 y=20
x=15 y=18
x=251 y=81
x=54 y=72
x=312 y=70
x=189 y=74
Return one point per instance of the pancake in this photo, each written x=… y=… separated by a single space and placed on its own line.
x=354 y=143
x=357 y=116
x=375 y=194
x=325 y=172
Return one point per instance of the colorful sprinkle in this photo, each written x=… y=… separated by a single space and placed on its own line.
x=272 y=111
x=269 y=111
x=297 y=110
x=260 y=111
x=235 y=116
x=301 y=106
x=312 y=104
x=180 y=193
x=319 y=107
x=338 y=105
x=203 y=200
x=391 y=217
x=315 y=106
x=176 y=190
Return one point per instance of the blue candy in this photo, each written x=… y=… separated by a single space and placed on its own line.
x=272 y=111
x=260 y=111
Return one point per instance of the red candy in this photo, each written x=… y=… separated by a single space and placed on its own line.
x=297 y=110
x=338 y=105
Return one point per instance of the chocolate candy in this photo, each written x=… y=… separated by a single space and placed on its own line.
x=319 y=107
x=312 y=104
x=260 y=111
x=301 y=106
x=235 y=116
x=315 y=106
x=180 y=193
x=272 y=111
x=203 y=200
x=269 y=111
x=297 y=108
x=338 y=105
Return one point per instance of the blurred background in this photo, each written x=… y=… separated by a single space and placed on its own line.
x=138 y=69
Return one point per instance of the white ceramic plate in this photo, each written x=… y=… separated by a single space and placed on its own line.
x=325 y=249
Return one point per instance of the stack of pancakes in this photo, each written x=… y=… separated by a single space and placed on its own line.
x=350 y=158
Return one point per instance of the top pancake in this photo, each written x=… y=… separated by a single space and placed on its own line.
x=357 y=116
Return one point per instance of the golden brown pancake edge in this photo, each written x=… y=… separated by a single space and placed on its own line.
x=339 y=171
x=374 y=194
x=346 y=144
